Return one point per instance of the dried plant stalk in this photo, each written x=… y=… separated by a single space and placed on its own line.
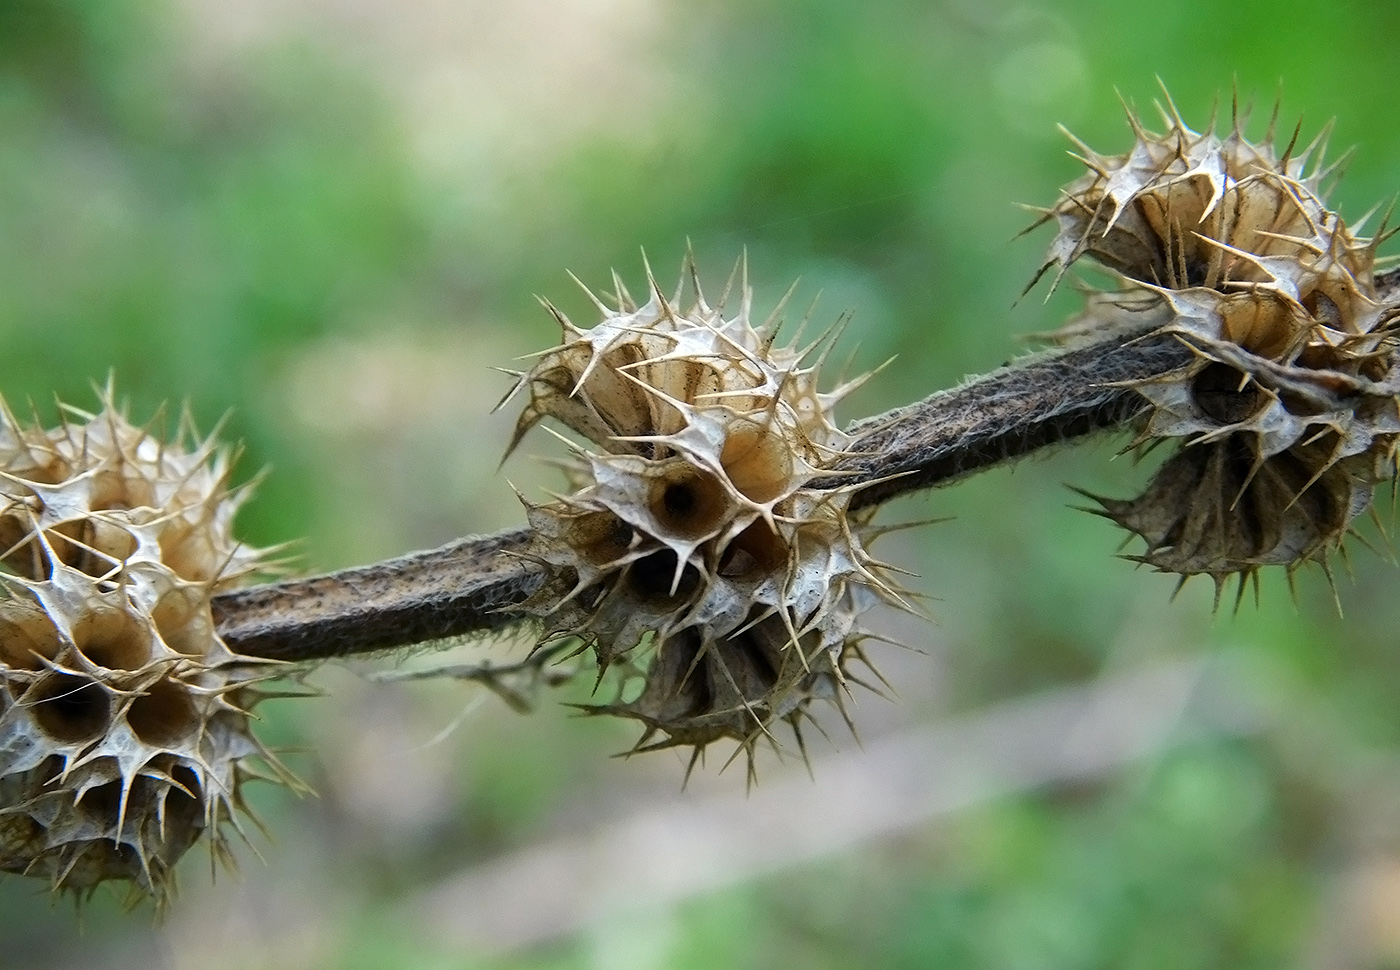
x=467 y=586
x=1004 y=415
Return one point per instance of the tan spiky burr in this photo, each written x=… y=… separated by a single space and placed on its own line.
x=125 y=731
x=1288 y=410
x=694 y=554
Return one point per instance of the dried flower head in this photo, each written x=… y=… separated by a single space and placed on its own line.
x=692 y=539
x=1289 y=411
x=124 y=724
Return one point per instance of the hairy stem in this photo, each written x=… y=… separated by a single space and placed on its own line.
x=467 y=586
x=476 y=584
x=1006 y=414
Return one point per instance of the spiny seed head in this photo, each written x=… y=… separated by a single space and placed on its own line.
x=1175 y=209
x=693 y=541
x=1288 y=412
x=124 y=720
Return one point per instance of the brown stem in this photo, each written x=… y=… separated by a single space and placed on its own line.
x=1000 y=416
x=466 y=586
x=476 y=584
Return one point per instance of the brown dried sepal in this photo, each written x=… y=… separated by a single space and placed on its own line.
x=698 y=691
x=1222 y=510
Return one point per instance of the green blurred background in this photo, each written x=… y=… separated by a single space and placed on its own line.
x=331 y=217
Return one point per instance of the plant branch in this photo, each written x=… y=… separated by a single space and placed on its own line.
x=476 y=584
x=1007 y=414
x=468 y=586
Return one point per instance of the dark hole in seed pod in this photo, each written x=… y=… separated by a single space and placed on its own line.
x=599 y=537
x=187 y=779
x=680 y=683
x=687 y=502
x=91 y=546
x=102 y=805
x=1196 y=498
x=191 y=798
x=163 y=715
x=103 y=802
x=113 y=639
x=70 y=709
x=35 y=778
x=1321 y=356
x=1197 y=272
x=1302 y=406
x=1216 y=390
x=1324 y=506
x=590 y=597
x=1168 y=254
x=98 y=860
x=22 y=553
x=25 y=637
x=651 y=576
x=1324 y=309
x=185 y=811
x=754 y=668
x=49 y=769
x=679 y=500
x=756 y=552
x=1253 y=525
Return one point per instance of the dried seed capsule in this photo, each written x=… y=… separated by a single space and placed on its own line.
x=693 y=553
x=124 y=725
x=1289 y=413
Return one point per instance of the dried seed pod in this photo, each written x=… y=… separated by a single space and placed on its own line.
x=1291 y=402
x=694 y=542
x=1192 y=209
x=125 y=733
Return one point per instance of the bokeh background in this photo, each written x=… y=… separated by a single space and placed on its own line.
x=331 y=217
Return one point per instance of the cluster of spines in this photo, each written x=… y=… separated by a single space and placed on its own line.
x=125 y=731
x=1288 y=412
x=692 y=552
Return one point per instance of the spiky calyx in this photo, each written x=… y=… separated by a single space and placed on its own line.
x=1289 y=413
x=125 y=732
x=692 y=538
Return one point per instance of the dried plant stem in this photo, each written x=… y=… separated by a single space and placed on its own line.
x=473 y=585
x=1006 y=414
x=466 y=586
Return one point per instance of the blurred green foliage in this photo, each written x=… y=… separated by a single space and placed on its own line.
x=198 y=224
